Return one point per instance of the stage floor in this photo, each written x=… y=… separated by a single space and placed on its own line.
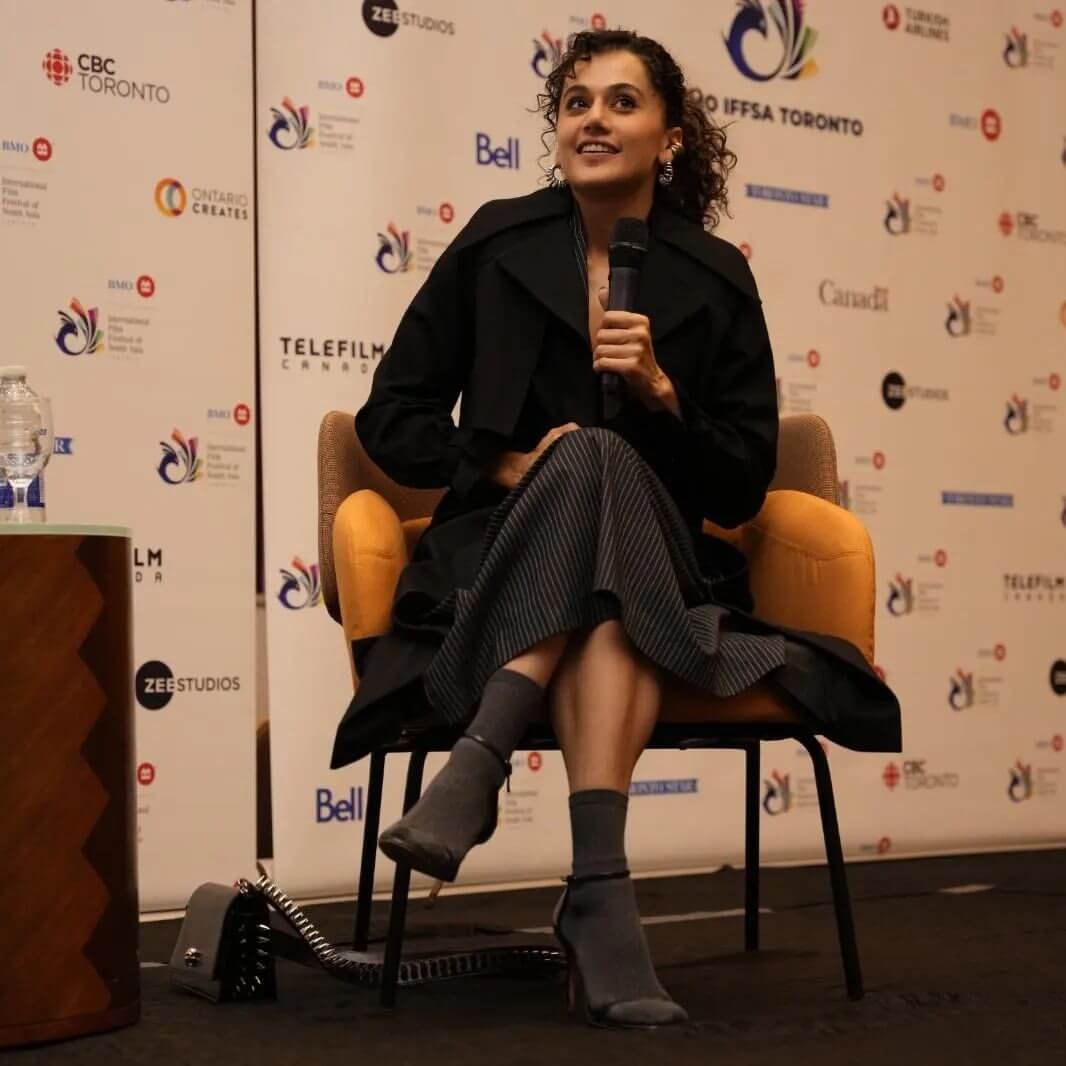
x=964 y=961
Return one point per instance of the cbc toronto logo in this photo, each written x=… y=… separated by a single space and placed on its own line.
x=384 y=19
x=301 y=586
x=292 y=127
x=98 y=75
x=180 y=462
x=394 y=250
x=914 y=775
x=547 y=51
x=79 y=334
x=156 y=685
x=793 y=41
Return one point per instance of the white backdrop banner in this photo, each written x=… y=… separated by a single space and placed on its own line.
x=128 y=292
x=899 y=194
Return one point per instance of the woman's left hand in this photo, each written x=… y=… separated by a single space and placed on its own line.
x=623 y=346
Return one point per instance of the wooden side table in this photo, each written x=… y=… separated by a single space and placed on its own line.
x=68 y=860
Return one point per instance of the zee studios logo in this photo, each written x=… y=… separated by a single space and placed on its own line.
x=384 y=19
x=156 y=685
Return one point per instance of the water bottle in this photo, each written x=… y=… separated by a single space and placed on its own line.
x=13 y=388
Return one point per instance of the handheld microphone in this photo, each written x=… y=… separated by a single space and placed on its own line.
x=625 y=254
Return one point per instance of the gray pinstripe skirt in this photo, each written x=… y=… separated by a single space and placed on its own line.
x=591 y=534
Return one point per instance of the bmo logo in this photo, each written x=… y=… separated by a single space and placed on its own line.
x=505 y=156
x=348 y=808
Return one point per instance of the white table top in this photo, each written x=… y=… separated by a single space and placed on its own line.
x=56 y=529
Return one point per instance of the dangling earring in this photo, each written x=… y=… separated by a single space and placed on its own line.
x=666 y=175
x=554 y=180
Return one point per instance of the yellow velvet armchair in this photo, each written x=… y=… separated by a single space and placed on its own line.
x=811 y=567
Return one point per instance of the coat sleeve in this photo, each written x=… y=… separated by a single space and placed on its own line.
x=406 y=424
x=722 y=453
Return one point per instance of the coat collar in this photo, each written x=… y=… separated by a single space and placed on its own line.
x=673 y=280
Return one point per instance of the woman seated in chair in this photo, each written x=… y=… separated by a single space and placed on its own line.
x=565 y=572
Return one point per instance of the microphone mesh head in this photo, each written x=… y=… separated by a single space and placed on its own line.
x=628 y=242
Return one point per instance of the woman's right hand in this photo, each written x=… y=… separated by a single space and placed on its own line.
x=511 y=467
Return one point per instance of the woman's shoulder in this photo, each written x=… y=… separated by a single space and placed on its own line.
x=496 y=216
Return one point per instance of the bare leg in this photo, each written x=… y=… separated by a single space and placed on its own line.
x=604 y=698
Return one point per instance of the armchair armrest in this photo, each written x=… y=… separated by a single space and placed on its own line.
x=369 y=552
x=812 y=567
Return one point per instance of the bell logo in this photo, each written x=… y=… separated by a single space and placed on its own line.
x=506 y=157
x=348 y=809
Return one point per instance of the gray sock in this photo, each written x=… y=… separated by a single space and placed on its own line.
x=453 y=810
x=601 y=920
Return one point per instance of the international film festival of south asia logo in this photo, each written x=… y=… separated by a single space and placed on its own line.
x=180 y=462
x=292 y=126
x=301 y=586
x=547 y=51
x=394 y=250
x=793 y=42
x=79 y=334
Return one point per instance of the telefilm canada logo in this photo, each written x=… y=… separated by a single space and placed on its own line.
x=308 y=354
x=384 y=18
x=156 y=685
x=147 y=565
x=99 y=75
x=291 y=127
x=301 y=585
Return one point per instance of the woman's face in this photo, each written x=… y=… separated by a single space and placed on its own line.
x=611 y=132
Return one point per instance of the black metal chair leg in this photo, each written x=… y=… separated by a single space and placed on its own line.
x=751 y=847
x=365 y=899
x=390 y=973
x=837 y=877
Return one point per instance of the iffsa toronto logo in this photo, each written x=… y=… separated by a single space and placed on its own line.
x=961 y=690
x=156 y=685
x=793 y=42
x=1020 y=787
x=79 y=333
x=301 y=586
x=1016 y=417
x=291 y=127
x=547 y=51
x=394 y=250
x=170 y=197
x=180 y=462
x=957 y=322
x=505 y=155
x=97 y=75
x=777 y=795
x=1016 y=48
x=900 y=596
x=348 y=808
x=383 y=19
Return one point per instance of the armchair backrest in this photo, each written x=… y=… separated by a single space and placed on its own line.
x=806 y=462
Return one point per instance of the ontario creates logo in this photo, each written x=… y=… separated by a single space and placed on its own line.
x=301 y=586
x=79 y=334
x=394 y=250
x=796 y=40
x=291 y=128
x=170 y=197
x=180 y=462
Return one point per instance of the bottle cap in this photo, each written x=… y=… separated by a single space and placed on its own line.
x=12 y=373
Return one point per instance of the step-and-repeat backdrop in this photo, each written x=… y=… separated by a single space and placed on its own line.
x=127 y=288
x=900 y=197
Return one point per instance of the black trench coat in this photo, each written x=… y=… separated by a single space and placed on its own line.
x=504 y=296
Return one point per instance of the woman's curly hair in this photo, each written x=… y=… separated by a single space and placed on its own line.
x=702 y=167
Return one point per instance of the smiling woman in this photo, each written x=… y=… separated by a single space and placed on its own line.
x=566 y=573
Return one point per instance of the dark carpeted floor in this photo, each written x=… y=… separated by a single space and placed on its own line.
x=957 y=978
